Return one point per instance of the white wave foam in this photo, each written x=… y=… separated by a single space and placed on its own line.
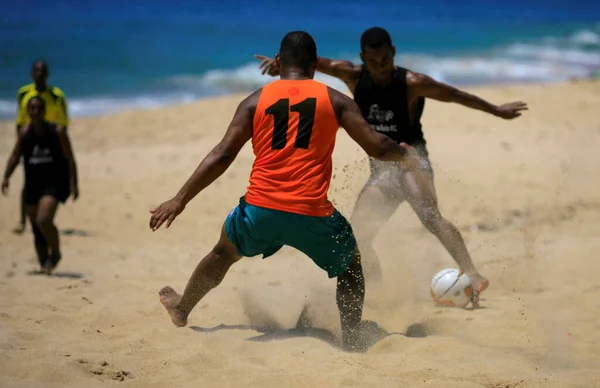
x=242 y=79
x=8 y=108
x=100 y=105
x=95 y=106
x=586 y=38
x=552 y=60
x=554 y=55
x=516 y=63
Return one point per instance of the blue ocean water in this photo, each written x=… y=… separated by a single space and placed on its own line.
x=113 y=55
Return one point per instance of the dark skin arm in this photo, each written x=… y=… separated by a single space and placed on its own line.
x=214 y=164
x=67 y=149
x=421 y=85
x=13 y=161
x=341 y=69
x=374 y=144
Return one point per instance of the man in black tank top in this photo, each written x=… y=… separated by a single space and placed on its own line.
x=392 y=99
x=50 y=178
x=56 y=112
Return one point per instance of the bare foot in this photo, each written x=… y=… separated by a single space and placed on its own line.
x=47 y=268
x=480 y=284
x=55 y=259
x=170 y=299
x=19 y=229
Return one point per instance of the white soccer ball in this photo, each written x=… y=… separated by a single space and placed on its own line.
x=451 y=288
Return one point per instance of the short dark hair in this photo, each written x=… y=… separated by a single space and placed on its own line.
x=42 y=62
x=298 y=48
x=375 y=38
x=37 y=98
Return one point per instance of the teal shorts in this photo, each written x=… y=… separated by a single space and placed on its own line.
x=328 y=241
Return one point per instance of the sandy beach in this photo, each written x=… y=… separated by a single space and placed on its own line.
x=524 y=193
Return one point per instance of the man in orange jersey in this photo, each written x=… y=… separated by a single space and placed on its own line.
x=292 y=123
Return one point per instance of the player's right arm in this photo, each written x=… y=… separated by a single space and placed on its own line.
x=341 y=69
x=213 y=165
x=12 y=163
x=374 y=144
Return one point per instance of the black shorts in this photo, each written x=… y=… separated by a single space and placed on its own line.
x=33 y=194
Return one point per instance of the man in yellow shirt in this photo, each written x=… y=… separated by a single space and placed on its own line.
x=56 y=111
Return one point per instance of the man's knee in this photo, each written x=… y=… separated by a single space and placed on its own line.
x=44 y=222
x=373 y=209
x=225 y=251
x=353 y=274
x=355 y=265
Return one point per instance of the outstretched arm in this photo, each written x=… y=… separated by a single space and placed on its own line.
x=421 y=85
x=12 y=163
x=342 y=69
x=214 y=164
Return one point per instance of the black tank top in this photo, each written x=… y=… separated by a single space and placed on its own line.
x=385 y=108
x=43 y=158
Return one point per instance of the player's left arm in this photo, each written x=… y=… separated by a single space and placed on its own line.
x=213 y=165
x=67 y=149
x=421 y=85
x=12 y=162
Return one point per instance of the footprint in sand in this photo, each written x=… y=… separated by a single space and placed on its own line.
x=104 y=370
x=67 y=287
x=508 y=384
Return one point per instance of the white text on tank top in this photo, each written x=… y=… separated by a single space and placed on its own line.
x=40 y=155
x=382 y=118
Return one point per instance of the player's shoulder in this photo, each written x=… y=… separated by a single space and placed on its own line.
x=22 y=131
x=253 y=97
x=249 y=104
x=54 y=127
x=339 y=102
x=279 y=89
x=337 y=98
x=59 y=130
x=414 y=78
x=320 y=84
x=25 y=90
x=57 y=92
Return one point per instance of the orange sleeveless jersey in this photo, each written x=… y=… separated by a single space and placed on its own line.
x=293 y=138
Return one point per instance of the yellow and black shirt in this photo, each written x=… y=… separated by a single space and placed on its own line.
x=56 y=104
